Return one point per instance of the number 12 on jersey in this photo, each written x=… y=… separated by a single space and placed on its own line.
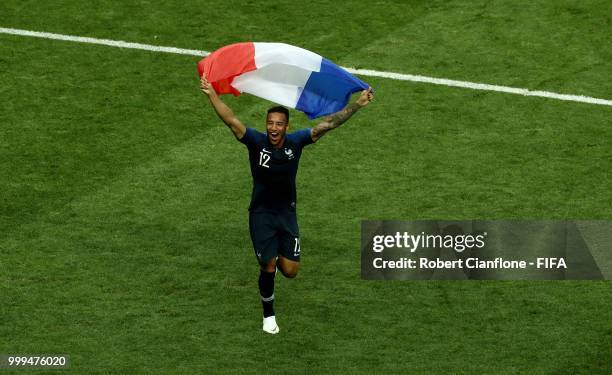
x=264 y=158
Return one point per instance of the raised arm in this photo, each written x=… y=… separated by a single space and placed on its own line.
x=223 y=111
x=339 y=118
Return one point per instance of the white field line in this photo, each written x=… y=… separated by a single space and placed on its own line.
x=363 y=72
x=104 y=42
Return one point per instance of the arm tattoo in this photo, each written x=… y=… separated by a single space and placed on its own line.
x=340 y=117
x=335 y=120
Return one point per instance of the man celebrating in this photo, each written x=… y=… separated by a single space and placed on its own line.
x=274 y=158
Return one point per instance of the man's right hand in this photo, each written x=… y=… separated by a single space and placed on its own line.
x=206 y=87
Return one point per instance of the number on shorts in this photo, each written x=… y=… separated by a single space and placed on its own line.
x=296 y=247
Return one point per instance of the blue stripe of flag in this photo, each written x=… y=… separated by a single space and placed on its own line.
x=328 y=91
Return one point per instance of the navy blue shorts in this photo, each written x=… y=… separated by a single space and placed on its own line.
x=275 y=234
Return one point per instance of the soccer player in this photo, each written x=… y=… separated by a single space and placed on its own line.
x=274 y=158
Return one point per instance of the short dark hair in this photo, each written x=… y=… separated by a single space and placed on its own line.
x=280 y=109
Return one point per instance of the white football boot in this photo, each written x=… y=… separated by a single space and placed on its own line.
x=270 y=326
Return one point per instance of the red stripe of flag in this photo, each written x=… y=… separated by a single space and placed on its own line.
x=226 y=63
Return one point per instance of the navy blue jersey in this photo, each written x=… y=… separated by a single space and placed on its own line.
x=274 y=170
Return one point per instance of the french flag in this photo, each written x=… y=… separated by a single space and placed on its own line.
x=282 y=73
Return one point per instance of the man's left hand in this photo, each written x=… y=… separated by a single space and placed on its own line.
x=365 y=98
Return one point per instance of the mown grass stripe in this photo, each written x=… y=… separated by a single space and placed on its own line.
x=363 y=72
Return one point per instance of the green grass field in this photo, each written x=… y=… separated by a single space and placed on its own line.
x=123 y=205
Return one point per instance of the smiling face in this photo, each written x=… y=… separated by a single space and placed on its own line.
x=276 y=125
